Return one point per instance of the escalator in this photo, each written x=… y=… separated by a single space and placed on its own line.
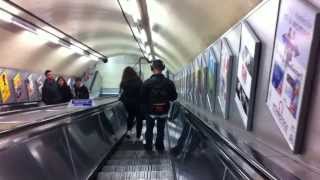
x=90 y=144
x=130 y=161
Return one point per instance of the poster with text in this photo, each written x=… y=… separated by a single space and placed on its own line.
x=247 y=74
x=40 y=83
x=225 y=73
x=211 y=79
x=4 y=87
x=292 y=68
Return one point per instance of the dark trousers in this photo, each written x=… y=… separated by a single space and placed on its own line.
x=161 y=122
x=134 y=113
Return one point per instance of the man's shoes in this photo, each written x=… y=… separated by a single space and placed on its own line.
x=160 y=148
x=148 y=148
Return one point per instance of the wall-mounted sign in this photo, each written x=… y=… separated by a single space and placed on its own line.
x=4 y=87
x=211 y=78
x=225 y=73
x=294 y=57
x=17 y=85
x=247 y=74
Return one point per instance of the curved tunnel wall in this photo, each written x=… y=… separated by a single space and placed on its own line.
x=265 y=136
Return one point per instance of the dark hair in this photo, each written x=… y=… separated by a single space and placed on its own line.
x=78 y=79
x=129 y=74
x=64 y=81
x=47 y=72
x=157 y=64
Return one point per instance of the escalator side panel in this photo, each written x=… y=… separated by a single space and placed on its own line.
x=17 y=163
x=50 y=151
x=87 y=145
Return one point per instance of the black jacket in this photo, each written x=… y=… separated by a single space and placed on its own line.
x=153 y=81
x=130 y=92
x=50 y=92
x=81 y=92
x=66 y=94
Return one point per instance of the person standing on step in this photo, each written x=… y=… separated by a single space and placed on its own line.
x=130 y=88
x=80 y=90
x=156 y=94
x=50 y=90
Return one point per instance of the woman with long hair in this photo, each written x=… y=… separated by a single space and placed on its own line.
x=130 y=87
x=64 y=89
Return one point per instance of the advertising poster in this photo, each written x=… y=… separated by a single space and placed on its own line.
x=31 y=88
x=17 y=85
x=294 y=55
x=247 y=74
x=225 y=73
x=211 y=78
x=4 y=87
x=204 y=81
x=40 y=82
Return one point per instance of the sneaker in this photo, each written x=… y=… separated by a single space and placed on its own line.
x=138 y=140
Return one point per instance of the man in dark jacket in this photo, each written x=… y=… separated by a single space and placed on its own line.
x=80 y=90
x=50 y=91
x=156 y=94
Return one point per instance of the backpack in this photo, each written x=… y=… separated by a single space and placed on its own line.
x=159 y=98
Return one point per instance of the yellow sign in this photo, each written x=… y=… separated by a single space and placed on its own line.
x=4 y=87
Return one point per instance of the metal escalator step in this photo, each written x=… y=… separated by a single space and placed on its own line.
x=143 y=175
x=138 y=161
x=154 y=167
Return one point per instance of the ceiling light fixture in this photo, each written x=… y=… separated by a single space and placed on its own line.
x=6 y=17
x=10 y=14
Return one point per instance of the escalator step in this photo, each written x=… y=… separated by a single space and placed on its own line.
x=117 y=168
x=142 y=175
x=158 y=161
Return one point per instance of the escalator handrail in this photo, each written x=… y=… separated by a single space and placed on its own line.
x=251 y=162
x=52 y=118
x=30 y=109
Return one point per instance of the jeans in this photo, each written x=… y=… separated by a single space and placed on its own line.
x=161 y=122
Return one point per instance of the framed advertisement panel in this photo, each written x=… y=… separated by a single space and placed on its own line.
x=247 y=74
x=211 y=78
x=225 y=73
x=294 y=56
x=5 y=87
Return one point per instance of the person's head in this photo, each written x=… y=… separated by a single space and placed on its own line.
x=157 y=66
x=78 y=82
x=61 y=81
x=129 y=74
x=49 y=75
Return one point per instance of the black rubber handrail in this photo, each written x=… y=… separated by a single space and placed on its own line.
x=52 y=118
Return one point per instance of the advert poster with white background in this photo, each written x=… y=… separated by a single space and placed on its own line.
x=291 y=58
x=247 y=73
x=225 y=73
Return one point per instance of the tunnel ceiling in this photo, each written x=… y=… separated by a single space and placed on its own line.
x=180 y=29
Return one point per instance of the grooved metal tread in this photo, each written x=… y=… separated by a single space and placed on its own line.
x=132 y=162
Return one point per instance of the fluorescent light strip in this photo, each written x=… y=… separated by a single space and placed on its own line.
x=47 y=33
x=77 y=50
x=5 y=5
x=48 y=36
x=6 y=17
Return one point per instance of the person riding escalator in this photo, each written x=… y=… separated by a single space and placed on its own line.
x=130 y=87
